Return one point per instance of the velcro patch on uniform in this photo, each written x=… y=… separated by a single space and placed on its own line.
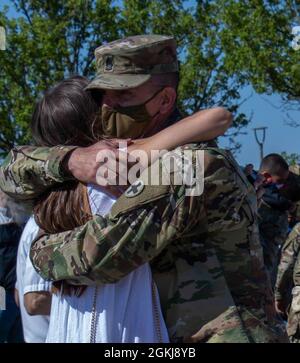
x=149 y=194
x=135 y=189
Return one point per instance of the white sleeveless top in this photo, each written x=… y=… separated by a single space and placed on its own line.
x=124 y=312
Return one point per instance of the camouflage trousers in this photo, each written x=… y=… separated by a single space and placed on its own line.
x=293 y=327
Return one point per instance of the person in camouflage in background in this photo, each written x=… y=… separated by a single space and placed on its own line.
x=273 y=211
x=294 y=191
x=204 y=249
x=287 y=289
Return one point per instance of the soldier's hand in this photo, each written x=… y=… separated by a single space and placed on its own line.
x=137 y=153
x=84 y=162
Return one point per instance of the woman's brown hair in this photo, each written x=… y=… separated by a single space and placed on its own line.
x=66 y=115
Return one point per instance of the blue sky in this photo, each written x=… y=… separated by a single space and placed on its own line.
x=280 y=137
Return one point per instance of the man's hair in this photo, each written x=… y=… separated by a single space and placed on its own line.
x=273 y=164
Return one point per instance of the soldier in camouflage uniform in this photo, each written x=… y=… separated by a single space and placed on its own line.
x=287 y=290
x=273 y=211
x=287 y=285
x=294 y=191
x=204 y=249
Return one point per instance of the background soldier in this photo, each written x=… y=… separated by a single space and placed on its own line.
x=294 y=192
x=287 y=290
x=273 y=211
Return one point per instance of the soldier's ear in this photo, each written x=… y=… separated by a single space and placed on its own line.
x=167 y=100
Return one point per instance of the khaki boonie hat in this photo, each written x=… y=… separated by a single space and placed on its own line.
x=130 y=62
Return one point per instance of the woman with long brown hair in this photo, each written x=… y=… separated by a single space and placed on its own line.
x=127 y=311
x=67 y=115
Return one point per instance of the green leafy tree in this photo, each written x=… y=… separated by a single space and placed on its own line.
x=51 y=40
x=47 y=42
x=258 y=37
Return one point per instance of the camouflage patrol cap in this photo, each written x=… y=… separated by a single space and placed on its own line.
x=130 y=62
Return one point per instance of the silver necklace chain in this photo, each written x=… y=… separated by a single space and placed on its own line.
x=94 y=318
x=155 y=308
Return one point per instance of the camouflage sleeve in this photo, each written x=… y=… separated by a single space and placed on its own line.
x=108 y=248
x=288 y=260
x=28 y=171
x=143 y=221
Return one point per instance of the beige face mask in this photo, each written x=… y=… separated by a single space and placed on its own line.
x=126 y=122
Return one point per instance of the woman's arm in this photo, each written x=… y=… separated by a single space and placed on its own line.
x=202 y=126
x=38 y=303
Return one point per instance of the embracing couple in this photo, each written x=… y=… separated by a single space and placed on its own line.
x=148 y=263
